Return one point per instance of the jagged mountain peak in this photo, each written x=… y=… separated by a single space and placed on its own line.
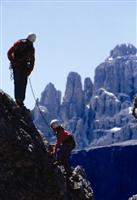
x=73 y=74
x=73 y=90
x=94 y=111
x=49 y=86
x=49 y=91
x=51 y=99
x=123 y=50
x=118 y=73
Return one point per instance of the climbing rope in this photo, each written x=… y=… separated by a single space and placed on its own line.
x=43 y=117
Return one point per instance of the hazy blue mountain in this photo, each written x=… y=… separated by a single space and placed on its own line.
x=99 y=112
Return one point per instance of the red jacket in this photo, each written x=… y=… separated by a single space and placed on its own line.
x=61 y=137
x=21 y=53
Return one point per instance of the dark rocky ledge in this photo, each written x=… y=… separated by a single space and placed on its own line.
x=26 y=166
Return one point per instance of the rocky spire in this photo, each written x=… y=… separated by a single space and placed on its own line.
x=118 y=73
x=123 y=50
x=88 y=90
x=51 y=98
x=73 y=104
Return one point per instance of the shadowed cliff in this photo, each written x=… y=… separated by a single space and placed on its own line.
x=26 y=169
x=111 y=169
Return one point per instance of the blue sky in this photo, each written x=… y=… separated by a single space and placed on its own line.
x=71 y=36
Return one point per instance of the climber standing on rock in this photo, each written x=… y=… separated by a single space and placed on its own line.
x=64 y=145
x=22 y=58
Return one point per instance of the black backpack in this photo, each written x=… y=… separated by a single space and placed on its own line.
x=22 y=50
x=70 y=140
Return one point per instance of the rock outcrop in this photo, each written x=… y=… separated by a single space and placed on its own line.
x=123 y=50
x=98 y=113
x=119 y=71
x=134 y=197
x=73 y=100
x=26 y=166
x=88 y=90
x=111 y=170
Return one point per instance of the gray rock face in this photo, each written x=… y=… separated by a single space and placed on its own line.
x=88 y=90
x=105 y=103
x=73 y=100
x=98 y=113
x=51 y=99
x=117 y=74
x=123 y=50
x=26 y=165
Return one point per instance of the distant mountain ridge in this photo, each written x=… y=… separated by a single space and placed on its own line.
x=98 y=113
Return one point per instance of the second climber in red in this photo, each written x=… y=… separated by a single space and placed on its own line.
x=64 y=145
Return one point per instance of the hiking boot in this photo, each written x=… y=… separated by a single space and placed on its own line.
x=19 y=102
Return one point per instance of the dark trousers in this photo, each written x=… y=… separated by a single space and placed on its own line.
x=20 y=83
x=63 y=154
